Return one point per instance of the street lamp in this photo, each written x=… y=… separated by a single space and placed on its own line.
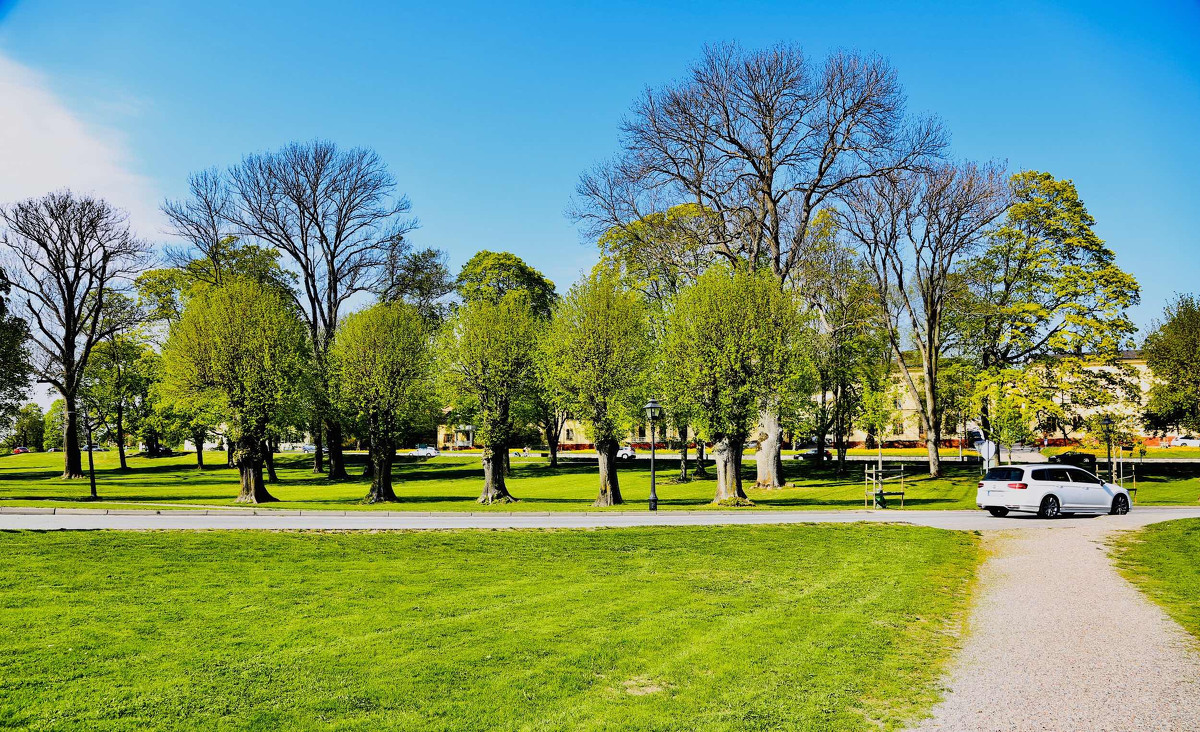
x=1107 y=422
x=653 y=411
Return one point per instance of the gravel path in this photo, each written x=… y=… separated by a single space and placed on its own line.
x=1058 y=640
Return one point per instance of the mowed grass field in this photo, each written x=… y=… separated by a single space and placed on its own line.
x=1164 y=561
x=452 y=483
x=716 y=628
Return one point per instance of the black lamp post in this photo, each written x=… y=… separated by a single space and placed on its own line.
x=1107 y=422
x=653 y=412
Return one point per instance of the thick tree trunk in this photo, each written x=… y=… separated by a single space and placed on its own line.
x=121 y=438
x=683 y=455
x=249 y=463
x=935 y=457
x=269 y=461
x=337 y=459
x=610 y=488
x=72 y=457
x=494 y=489
x=699 y=472
x=552 y=443
x=318 y=447
x=770 y=452
x=727 y=462
x=198 y=440
x=381 y=454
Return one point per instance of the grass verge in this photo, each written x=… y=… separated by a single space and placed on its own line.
x=769 y=627
x=1161 y=559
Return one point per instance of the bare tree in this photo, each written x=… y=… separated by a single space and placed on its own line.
x=65 y=256
x=914 y=228
x=762 y=139
x=335 y=214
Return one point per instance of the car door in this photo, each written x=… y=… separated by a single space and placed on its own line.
x=1095 y=494
x=1057 y=480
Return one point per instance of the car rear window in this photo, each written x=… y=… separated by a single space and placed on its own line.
x=1004 y=474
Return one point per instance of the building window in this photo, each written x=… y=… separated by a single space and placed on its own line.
x=570 y=435
x=898 y=428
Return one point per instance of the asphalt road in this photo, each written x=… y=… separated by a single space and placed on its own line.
x=85 y=519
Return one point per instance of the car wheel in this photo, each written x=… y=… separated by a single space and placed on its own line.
x=998 y=511
x=1050 y=508
x=1120 y=505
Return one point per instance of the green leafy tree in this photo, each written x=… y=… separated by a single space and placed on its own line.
x=244 y=348
x=55 y=423
x=492 y=275
x=28 y=429
x=878 y=413
x=115 y=389
x=598 y=350
x=734 y=339
x=486 y=361
x=1047 y=289
x=15 y=367
x=1172 y=351
x=382 y=360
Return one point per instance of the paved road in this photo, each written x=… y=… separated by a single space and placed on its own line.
x=379 y=520
x=1058 y=640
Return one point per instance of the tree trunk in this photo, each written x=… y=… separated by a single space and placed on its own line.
x=683 y=452
x=381 y=454
x=72 y=457
x=337 y=459
x=269 y=461
x=121 y=438
x=610 y=488
x=249 y=463
x=494 y=489
x=770 y=452
x=318 y=447
x=507 y=462
x=699 y=472
x=229 y=453
x=727 y=462
x=198 y=440
x=935 y=457
x=552 y=443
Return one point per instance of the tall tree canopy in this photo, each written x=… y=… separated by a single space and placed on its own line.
x=734 y=342
x=382 y=360
x=761 y=140
x=486 y=363
x=14 y=358
x=1172 y=352
x=598 y=350
x=65 y=256
x=492 y=275
x=244 y=348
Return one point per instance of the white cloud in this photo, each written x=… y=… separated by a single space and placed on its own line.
x=45 y=146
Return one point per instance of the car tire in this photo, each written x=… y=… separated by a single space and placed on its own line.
x=1120 y=505
x=998 y=511
x=1050 y=508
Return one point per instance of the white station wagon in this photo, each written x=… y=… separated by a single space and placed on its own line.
x=1049 y=491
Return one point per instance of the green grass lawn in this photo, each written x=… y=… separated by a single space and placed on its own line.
x=1191 y=453
x=769 y=627
x=452 y=483
x=1162 y=560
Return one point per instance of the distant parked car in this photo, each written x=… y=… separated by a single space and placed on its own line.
x=425 y=451
x=811 y=452
x=20 y=450
x=1189 y=441
x=53 y=449
x=1084 y=460
x=626 y=453
x=1049 y=491
x=308 y=448
x=96 y=448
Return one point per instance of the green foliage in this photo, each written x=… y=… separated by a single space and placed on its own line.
x=1047 y=284
x=29 y=429
x=486 y=359
x=1172 y=352
x=54 y=423
x=490 y=276
x=15 y=367
x=421 y=279
x=115 y=389
x=382 y=362
x=661 y=253
x=243 y=348
x=597 y=351
x=734 y=343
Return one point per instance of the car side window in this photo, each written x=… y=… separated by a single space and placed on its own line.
x=1083 y=476
x=1042 y=475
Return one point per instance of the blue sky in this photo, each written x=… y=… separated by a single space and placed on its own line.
x=487 y=113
